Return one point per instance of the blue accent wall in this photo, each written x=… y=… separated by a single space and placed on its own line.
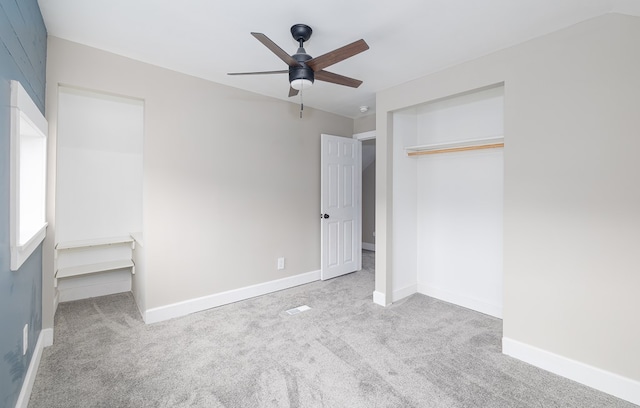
x=23 y=49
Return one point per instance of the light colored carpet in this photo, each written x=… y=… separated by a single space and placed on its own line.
x=345 y=352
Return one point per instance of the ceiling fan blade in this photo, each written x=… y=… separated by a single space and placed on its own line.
x=282 y=54
x=327 y=76
x=337 y=55
x=284 y=71
x=292 y=92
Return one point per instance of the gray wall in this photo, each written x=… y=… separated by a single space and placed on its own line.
x=22 y=57
x=364 y=123
x=231 y=178
x=571 y=191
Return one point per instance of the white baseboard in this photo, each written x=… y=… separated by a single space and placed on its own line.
x=85 y=292
x=186 y=307
x=379 y=299
x=605 y=381
x=404 y=292
x=368 y=246
x=30 y=377
x=47 y=337
x=461 y=300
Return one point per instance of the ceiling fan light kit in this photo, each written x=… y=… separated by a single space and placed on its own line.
x=301 y=83
x=304 y=69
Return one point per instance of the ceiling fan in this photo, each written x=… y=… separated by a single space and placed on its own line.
x=303 y=69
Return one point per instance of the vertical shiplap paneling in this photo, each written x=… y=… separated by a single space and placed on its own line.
x=34 y=41
x=22 y=57
x=24 y=36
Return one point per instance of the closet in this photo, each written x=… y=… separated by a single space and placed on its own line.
x=98 y=192
x=448 y=200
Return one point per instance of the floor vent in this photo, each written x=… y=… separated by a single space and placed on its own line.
x=298 y=309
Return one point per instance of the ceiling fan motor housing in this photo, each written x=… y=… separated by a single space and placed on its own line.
x=301 y=71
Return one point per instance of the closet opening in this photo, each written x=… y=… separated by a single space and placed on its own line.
x=448 y=200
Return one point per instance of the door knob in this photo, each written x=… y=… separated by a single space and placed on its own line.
x=324 y=215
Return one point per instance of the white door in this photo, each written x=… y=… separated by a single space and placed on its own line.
x=341 y=207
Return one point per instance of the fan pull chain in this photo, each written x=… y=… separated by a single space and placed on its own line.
x=301 y=104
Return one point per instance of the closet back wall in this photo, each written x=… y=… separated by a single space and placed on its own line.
x=447 y=207
x=460 y=203
x=99 y=189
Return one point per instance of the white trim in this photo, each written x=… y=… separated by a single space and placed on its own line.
x=25 y=112
x=402 y=293
x=89 y=291
x=47 y=337
x=368 y=246
x=365 y=135
x=30 y=377
x=56 y=300
x=158 y=314
x=461 y=300
x=379 y=299
x=21 y=100
x=20 y=253
x=602 y=380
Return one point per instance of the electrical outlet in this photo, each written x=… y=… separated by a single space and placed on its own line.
x=281 y=263
x=25 y=339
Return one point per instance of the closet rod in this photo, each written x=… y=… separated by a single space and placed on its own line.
x=456 y=149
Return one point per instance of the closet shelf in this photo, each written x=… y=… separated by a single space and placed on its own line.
x=85 y=243
x=68 y=248
x=460 y=146
x=93 y=268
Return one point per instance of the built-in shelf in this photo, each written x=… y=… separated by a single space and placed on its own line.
x=459 y=146
x=94 y=268
x=85 y=269
x=85 y=243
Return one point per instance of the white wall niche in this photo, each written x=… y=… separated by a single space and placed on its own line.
x=98 y=190
x=28 y=165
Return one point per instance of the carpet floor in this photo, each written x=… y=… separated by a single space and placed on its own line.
x=345 y=352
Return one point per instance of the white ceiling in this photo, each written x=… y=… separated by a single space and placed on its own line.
x=408 y=38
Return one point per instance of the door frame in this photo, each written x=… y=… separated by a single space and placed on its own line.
x=365 y=135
